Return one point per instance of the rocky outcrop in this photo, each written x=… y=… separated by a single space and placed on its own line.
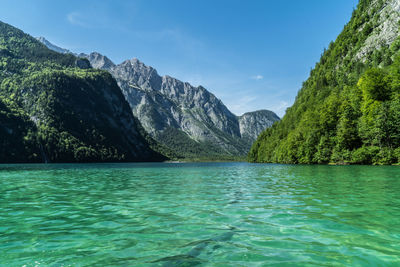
x=98 y=61
x=384 y=29
x=52 y=46
x=253 y=123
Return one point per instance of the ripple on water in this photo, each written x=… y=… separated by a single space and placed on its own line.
x=204 y=214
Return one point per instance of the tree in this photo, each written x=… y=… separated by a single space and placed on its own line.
x=374 y=85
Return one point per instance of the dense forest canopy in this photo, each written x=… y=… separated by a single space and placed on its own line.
x=348 y=111
x=54 y=107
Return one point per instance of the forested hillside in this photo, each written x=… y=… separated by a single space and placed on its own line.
x=55 y=108
x=348 y=111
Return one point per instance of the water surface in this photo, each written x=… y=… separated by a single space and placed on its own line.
x=199 y=214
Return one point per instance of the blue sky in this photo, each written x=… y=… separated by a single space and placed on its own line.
x=251 y=54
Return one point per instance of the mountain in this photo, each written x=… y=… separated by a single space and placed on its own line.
x=189 y=120
x=99 y=61
x=348 y=111
x=52 y=46
x=251 y=124
x=55 y=108
x=186 y=119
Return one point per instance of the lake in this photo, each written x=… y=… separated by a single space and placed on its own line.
x=199 y=214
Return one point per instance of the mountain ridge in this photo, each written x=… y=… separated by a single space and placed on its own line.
x=193 y=110
x=172 y=109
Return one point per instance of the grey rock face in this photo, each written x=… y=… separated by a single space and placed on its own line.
x=98 y=61
x=171 y=110
x=386 y=31
x=253 y=123
x=164 y=102
x=161 y=103
x=52 y=46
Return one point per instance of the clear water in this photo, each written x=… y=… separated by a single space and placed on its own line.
x=199 y=214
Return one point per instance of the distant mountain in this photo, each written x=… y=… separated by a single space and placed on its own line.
x=348 y=111
x=185 y=118
x=52 y=46
x=189 y=120
x=55 y=108
x=251 y=124
x=99 y=61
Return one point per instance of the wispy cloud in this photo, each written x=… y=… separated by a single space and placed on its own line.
x=257 y=77
x=76 y=18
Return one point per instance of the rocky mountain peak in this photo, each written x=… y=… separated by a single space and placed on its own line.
x=138 y=74
x=52 y=46
x=139 y=67
x=98 y=61
x=253 y=123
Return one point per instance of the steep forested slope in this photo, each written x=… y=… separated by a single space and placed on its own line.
x=53 y=107
x=348 y=111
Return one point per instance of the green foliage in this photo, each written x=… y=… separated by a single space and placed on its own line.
x=15 y=44
x=374 y=85
x=17 y=140
x=51 y=110
x=365 y=154
x=185 y=148
x=348 y=111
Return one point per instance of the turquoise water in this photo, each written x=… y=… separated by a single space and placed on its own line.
x=199 y=214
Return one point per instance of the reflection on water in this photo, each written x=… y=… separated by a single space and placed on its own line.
x=206 y=214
